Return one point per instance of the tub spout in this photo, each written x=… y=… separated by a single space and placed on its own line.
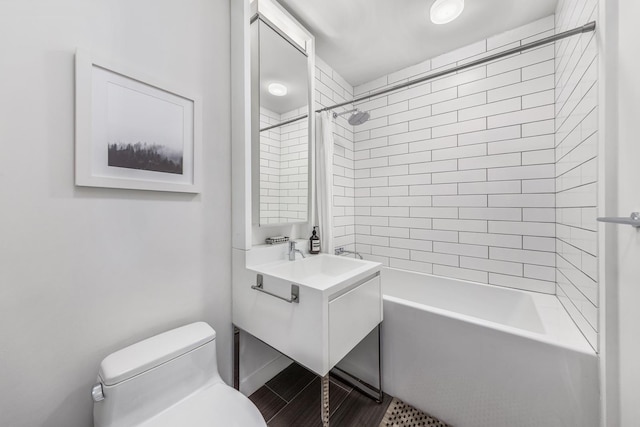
x=342 y=251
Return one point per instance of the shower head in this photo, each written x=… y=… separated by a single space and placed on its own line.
x=358 y=118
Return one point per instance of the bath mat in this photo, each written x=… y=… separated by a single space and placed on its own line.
x=400 y=414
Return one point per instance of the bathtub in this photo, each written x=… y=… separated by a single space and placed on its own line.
x=478 y=355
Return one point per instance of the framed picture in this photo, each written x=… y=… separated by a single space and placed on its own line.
x=132 y=132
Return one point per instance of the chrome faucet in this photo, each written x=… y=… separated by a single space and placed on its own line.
x=341 y=251
x=293 y=250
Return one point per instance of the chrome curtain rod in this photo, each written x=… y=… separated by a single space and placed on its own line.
x=295 y=119
x=591 y=26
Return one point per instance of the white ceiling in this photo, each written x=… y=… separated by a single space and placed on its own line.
x=365 y=39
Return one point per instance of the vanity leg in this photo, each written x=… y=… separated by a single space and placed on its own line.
x=236 y=358
x=325 y=401
x=380 y=393
x=362 y=386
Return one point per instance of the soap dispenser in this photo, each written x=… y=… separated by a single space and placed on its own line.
x=314 y=242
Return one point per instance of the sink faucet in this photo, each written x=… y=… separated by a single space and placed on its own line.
x=293 y=250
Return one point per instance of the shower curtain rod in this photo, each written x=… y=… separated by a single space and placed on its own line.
x=591 y=26
x=295 y=119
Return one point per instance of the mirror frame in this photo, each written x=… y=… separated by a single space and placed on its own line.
x=308 y=51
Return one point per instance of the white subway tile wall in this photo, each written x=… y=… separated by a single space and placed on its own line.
x=284 y=165
x=331 y=89
x=294 y=167
x=456 y=177
x=576 y=146
x=269 y=168
x=486 y=175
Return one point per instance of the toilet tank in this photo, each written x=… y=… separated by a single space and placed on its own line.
x=145 y=378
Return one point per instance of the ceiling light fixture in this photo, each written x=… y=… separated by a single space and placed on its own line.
x=277 y=89
x=445 y=11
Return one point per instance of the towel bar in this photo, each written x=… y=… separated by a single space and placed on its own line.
x=295 y=291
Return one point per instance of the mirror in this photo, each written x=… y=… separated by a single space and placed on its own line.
x=280 y=144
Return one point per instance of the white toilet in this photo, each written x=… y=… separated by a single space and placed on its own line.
x=169 y=380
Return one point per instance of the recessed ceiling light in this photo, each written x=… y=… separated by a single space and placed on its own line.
x=277 y=89
x=445 y=11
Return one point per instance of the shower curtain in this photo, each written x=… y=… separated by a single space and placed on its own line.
x=324 y=181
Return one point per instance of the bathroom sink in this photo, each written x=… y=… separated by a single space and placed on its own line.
x=314 y=309
x=321 y=271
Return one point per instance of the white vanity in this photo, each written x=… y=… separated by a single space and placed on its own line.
x=314 y=309
x=336 y=302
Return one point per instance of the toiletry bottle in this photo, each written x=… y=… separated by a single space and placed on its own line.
x=314 y=242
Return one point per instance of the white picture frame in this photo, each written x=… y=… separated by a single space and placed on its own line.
x=133 y=132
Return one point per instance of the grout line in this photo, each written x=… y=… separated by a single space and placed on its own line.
x=333 y=410
x=273 y=391
x=293 y=398
x=341 y=384
x=572 y=302
x=276 y=394
x=279 y=397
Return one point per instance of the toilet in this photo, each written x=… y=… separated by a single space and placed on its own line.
x=169 y=380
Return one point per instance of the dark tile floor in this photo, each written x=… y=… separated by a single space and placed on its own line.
x=292 y=398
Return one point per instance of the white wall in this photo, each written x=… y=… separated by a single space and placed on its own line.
x=628 y=200
x=576 y=152
x=85 y=271
x=619 y=270
x=455 y=177
x=608 y=336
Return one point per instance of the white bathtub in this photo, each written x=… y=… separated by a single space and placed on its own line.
x=478 y=355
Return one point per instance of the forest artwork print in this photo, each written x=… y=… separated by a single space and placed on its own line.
x=144 y=132
x=145 y=156
x=133 y=132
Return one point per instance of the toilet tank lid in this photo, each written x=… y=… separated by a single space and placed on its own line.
x=154 y=351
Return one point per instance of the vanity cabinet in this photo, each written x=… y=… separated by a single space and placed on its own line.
x=339 y=302
x=352 y=316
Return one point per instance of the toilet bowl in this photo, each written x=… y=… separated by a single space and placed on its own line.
x=167 y=380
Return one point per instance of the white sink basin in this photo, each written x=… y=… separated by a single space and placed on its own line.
x=320 y=272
